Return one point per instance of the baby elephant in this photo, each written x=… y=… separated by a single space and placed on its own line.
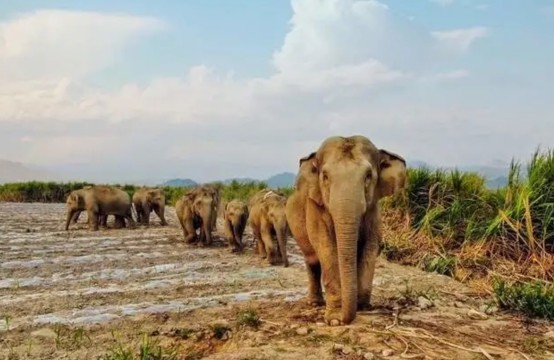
x=236 y=216
x=147 y=200
x=269 y=223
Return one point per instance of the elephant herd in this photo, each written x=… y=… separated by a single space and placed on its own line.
x=333 y=214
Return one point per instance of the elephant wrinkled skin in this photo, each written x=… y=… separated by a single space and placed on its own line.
x=333 y=214
x=268 y=222
x=235 y=216
x=198 y=210
x=147 y=200
x=99 y=202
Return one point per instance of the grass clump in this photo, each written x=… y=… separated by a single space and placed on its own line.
x=534 y=299
x=441 y=264
x=248 y=317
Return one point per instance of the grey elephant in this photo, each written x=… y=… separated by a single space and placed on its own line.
x=334 y=216
x=268 y=222
x=99 y=202
x=235 y=218
x=146 y=200
x=197 y=210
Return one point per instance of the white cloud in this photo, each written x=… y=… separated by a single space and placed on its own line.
x=461 y=39
x=49 y=44
x=345 y=66
x=442 y=2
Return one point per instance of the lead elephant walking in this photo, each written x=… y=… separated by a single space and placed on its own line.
x=99 y=202
x=333 y=215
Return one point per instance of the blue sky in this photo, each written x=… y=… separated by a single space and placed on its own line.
x=207 y=89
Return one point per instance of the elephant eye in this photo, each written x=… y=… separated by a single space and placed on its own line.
x=369 y=175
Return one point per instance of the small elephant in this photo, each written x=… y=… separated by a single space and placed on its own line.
x=99 y=202
x=198 y=210
x=333 y=214
x=236 y=216
x=268 y=221
x=146 y=200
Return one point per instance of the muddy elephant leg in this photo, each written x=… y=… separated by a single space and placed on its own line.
x=315 y=294
x=103 y=220
x=367 y=256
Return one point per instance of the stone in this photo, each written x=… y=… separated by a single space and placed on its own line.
x=476 y=315
x=302 y=331
x=549 y=334
x=424 y=303
x=369 y=356
x=387 y=352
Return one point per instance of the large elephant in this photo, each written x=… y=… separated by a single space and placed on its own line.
x=333 y=214
x=147 y=200
x=268 y=222
x=198 y=210
x=99 y=202
x=235 y=216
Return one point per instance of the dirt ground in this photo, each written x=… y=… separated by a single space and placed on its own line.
x=83 y=295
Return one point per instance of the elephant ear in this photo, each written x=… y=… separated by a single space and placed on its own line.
x=392 y=176
x=314 y=192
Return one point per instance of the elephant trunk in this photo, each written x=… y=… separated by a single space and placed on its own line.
x=346 y=218
x=70 y=214
x=207 y=221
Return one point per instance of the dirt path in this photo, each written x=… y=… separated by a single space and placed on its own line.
x=78 y=295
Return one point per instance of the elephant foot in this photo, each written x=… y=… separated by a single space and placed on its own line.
x=315 y=301
x=333 y=317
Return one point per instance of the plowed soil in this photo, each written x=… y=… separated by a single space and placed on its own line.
x=86 y=295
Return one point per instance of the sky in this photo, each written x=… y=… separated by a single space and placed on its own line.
x=212 y=89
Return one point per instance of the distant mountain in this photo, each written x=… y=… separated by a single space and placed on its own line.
x=239 y=180
x=11 y=171
x=180 y=183
x=497 y=182
x=285 y=179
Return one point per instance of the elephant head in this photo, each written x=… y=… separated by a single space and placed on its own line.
x=205 y=206
x=274 y=207
x=348 y=177
x=75 y=203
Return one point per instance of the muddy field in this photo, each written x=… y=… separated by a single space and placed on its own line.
x=85 y=295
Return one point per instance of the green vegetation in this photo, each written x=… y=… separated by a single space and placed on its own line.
x=534 y=299
x=459 y=227
x=148 y=349
x=248 y=317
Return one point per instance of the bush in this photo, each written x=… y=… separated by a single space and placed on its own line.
x=534 y=299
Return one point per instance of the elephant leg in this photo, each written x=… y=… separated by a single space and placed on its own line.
x=93 y=220
x=129 y=217
x=315 y=294
x=146 y=214
x=189 y=231
x=326 y=250
x=119 y=222
x=367 y=257
x=159 y=210
x=75 y=217
x=238 y=237
x=103 y=220
x=267 y=240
